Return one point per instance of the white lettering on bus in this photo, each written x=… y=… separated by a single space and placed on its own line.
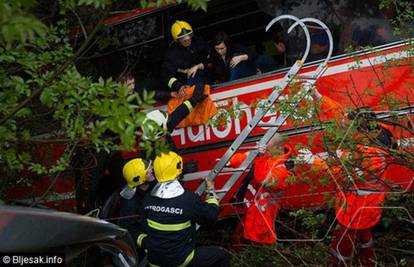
x=196 y=137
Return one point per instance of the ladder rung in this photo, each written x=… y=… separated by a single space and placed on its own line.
x=306 y=77
x=268 y=125
x=219 y=191
x=248 y=147
x=231 y=170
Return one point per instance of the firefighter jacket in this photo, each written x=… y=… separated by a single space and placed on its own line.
x=359 y=206
x=168 y=224
x=179 y=59
x=270 y=174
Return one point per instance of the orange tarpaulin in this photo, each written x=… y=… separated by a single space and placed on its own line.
x=200 y=114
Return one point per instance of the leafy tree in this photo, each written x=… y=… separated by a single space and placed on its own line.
x=45 y=101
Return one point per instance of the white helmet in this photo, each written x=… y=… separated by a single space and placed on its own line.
x=154 y=124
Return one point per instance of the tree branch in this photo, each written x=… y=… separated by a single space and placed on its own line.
x=85 y=35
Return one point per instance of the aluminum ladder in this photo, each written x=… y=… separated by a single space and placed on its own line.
x=306 y=86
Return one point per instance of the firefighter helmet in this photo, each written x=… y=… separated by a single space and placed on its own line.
x=167 y=166
x=134 y=172
x=154 y=124
x=181 y=29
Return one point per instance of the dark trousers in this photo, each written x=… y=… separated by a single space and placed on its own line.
x=210 y=256
x=349 y=242
x=243 y=69
x=266 y=63
x=201 y=77
x=128 y=213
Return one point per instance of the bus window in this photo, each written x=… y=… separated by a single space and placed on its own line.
x=138 y=43
x=352 y=22
x=368 y=26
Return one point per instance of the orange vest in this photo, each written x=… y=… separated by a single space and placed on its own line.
x=200 y=114
x=360 y=207
x=259 y=221
x=262 y=209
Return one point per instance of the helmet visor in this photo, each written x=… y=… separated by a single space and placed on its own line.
x=185 y=37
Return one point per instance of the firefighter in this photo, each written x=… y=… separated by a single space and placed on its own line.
x=156 y=126
x=184 y=60
x=158 y=123
x=358 y=208
x=384 y=134
x=329 y=108
x=169 y=217
x=139 y=178
x=271 y=169
x=358 y=205
x=169 y=122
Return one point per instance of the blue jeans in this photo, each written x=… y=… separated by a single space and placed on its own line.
x=243 y=69
x=265 y=63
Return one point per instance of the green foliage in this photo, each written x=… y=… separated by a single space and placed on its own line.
x=90 y=6
x=404 y=13
x=400 y=215
x=283 y=254
x=227 y=113
x=310 y=220
x=45 y=100
x=17 y=24
x=95 y=3
x=71 y=107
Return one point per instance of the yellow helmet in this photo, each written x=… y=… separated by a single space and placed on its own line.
x=181 y=29
x=167 y=166
x=134 y=172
